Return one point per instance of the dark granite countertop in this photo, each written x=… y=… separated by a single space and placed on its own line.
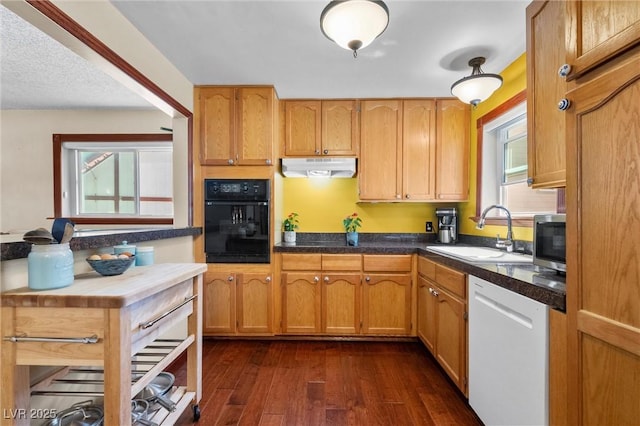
x=538 y=283
x=98 y=238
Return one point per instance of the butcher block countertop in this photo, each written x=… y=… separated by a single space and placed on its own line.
x=92 y=290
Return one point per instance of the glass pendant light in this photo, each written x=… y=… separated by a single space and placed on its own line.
x=354 y=24
x=478 y=86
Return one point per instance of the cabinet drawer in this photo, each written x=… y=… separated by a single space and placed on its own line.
x=341 y=262
x=427 y=268
x=301 y=262
x=152 y=316
x=387 y=263
x=451 y=280
x=59 y=323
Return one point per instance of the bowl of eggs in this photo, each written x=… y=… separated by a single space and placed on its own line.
x=111 y=264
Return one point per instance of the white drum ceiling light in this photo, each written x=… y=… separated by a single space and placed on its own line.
x=354 y=24
x=478 y=86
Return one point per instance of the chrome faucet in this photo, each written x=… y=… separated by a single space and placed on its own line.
x=506 y=243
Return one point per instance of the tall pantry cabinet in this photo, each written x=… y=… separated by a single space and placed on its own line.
x=602 y=134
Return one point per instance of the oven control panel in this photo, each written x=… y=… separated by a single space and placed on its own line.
x=236 y=189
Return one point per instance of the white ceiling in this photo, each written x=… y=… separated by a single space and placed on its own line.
x=37 y=72
x=425 y=49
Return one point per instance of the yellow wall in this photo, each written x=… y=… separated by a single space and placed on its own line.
x=514 y=81
x=323 y=203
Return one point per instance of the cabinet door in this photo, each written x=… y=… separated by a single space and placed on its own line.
x=301 y=303
x=219 y=306
x=600 y=30
x=380 y=174
x=340 y=131
x=216 y=114
x=341 y=303
x=603 y=192
x=451 y=337
x=254 y=123
x=419 y=149
x=302 y=128
x=387 y=304
x=426 y=314
x=545 y=88
x=254 y=307
x=452 y=150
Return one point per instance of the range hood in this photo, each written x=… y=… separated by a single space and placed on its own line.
x=319 y=167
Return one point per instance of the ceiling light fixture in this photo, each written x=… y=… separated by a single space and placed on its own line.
x=478 y=86
x=354 y=24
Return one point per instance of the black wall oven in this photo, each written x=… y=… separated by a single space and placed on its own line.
x=236 y=220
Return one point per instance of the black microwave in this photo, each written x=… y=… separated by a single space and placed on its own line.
x=550 y=241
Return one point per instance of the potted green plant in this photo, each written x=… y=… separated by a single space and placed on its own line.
x=289 y=226
x=351 y=224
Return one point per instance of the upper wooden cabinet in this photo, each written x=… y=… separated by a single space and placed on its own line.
x=236 y=125
x=321 y=128
x=380 y=174
x=598 y=31
x=414 y=150
x=419 y=149
x=545 y=88
x=453 y=120
x=584 y=34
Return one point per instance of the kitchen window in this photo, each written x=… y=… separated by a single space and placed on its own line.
x=502 y=165
x=119 y=179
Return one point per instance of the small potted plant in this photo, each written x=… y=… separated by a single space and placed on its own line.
x=289 y=226
x=351 y=224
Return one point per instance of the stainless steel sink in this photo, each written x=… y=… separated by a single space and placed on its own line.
x=481 y=254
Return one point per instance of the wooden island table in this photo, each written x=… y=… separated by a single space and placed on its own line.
x=104 y=323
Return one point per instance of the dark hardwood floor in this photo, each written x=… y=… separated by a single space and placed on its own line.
x=324 y=383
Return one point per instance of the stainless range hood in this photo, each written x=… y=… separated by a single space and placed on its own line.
x=319 y=167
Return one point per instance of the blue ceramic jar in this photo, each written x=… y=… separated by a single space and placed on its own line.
x=50 y=266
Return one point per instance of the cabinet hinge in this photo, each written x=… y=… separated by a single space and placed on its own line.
x=465 y=316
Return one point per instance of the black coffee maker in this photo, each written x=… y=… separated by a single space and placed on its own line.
x=447 y=225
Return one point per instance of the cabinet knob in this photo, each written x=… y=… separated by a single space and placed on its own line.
x=268 y=162
x=564 y=104
x=230 y=278
x=407 y=196
x=530 y=181
x=367 y=278
x=398 y=196
x=325 y=152
x=326 y=279
x=317 y=152
x=316 y=279
x=435 y=293
x=268 y=279
x=564 y=70
x=230 y=161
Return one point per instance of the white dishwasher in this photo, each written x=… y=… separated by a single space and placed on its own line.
x=508 y=356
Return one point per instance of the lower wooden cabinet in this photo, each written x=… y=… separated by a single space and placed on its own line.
x=387 y=304
x=333 y=294
x=442 y=317
x=301 y=302
x=237 y=303
x=341 y=307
